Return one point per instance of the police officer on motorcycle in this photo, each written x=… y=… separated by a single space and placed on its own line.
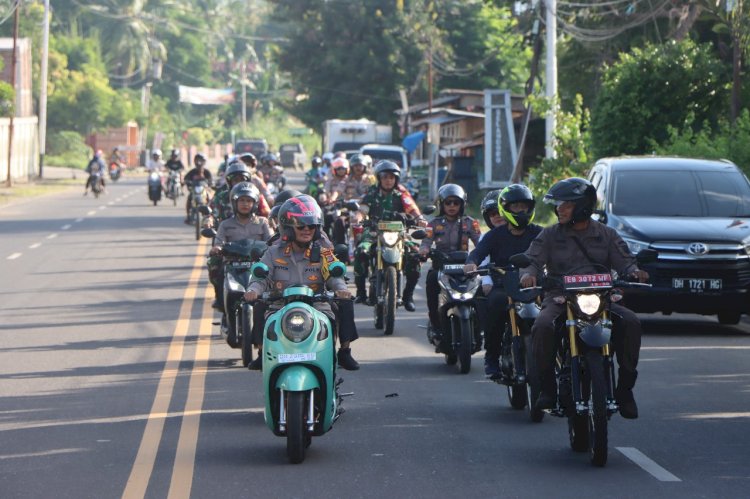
x=195 y=175
x=573 y=244
x=388 y=200
x=450 y=231
x=256 y=178
x=516 y=205
x=360 y=178
x=298 y=259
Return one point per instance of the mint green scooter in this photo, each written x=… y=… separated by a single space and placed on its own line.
x=299 y=367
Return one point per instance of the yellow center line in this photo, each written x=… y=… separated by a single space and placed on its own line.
x=143 y=465
x=184 y=463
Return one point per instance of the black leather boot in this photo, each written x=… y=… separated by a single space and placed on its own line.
x=624 y=393
x=361 y=283
x=407 y=298
x=346 y=361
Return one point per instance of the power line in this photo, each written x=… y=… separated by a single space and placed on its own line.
x=16 y=3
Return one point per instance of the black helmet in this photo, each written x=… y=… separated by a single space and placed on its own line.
x=244 y=189
x=284 y=195
x=358 y=159
x=199 y=156
x=274 y=215
x=516 y=193
x=451 y=191
x=248 y=158
x=386 y=166
x=489 y=203
x=297 y=212
x=236 y=169
x=175 y=153
x=317 y=162
x=578 y=190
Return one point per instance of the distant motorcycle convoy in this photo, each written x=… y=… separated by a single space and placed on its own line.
x=278 y=267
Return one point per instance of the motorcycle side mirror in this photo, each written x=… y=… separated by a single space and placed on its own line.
x=520 y=260
x=647 y=255
x=337 y=269
x=600 y=216
x=259 y=270
x=342 y=252
x=208 y=232
x=351 y=205
x=429 y=210
x=205 y=210
x=419 y=234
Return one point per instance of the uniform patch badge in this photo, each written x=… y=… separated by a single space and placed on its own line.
x=440 y=227
x=312 y=277
x=281 y=261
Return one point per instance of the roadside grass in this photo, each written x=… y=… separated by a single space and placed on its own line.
x=35 y=188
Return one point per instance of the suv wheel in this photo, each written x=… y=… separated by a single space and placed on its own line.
x=729 y=318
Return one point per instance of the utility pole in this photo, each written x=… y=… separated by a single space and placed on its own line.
x=429 y=78
x=9 y=180
x=551 y=71
x=243 y=81
x=43 y=90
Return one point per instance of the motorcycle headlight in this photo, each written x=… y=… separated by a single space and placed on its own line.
x=390 y=238
x=297 y=325
x=588 y=304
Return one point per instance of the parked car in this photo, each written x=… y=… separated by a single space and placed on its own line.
x=391 y=152
x=293 y=155
x=696 y=214
x=258 y=147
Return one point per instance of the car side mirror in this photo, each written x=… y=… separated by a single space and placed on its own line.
x=337 y=269
x=208 y=232
x=419 y=234
x=259 y=270
x=429 y=210
x=520 y=260
x=647 y=255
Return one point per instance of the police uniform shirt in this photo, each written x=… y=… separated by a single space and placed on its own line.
x=232 y=229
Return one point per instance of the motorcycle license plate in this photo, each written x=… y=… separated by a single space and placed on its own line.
x=458 y=266
x=697 y=285
x=583 y=281
x=287 y=358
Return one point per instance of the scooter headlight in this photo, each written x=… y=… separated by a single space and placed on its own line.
x=588 y=304
x=297 y=325
x=390 y=238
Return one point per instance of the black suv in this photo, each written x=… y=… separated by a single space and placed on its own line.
x=696 y=214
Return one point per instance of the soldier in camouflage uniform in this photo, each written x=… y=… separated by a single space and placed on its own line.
x=388 y=200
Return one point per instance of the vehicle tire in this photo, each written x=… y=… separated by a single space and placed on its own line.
x=389 y=312
x=378 y=311
x=729 y=318
x=197 y=225
x=533 y=385
x=232 y=324
x=174 y=199
x=451 y=359
x=465 y=336
x=578 y=432
x=296 y=428
x=155 y=201
x=339 y=233
x=597 y=418
x=246 y=340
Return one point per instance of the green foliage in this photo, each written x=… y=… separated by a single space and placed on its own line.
x=572 y=145
x=275 y=127
x=653 y=88
x=7 y=99
x=66 y=148
x=727 y=141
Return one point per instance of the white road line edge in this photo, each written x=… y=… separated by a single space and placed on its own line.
x=92 y=212
x=14 y=256
x=103 y=207
x=648 y=464
x=111 y=203
x=65 y=227
x=78 y=220
x=35 y=245
x=52 y=236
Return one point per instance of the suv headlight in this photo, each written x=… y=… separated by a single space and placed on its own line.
x=297 y=325
x=635 y=246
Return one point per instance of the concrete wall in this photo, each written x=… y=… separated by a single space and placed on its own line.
x=25 y=154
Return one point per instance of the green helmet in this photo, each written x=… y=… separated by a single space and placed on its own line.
x=516 y=193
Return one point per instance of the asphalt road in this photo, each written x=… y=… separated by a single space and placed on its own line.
x=115 y=383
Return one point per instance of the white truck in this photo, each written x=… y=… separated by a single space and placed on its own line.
x=351 y=135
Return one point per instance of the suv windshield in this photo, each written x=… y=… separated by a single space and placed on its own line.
x=378 y=154
x=659 y=193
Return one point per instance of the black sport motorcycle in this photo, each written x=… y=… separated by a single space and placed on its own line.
x=584 y=366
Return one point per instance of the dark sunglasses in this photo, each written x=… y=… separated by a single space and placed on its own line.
x=452 y=202
x=308 y=227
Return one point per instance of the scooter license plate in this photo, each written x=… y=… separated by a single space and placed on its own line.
x=459 y=266
x=287 y=358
